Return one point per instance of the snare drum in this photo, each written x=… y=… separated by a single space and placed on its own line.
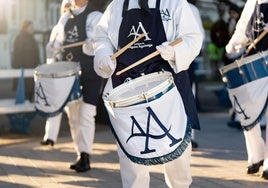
x=247 y=83
x=245 y=70
x=55 y=85
x=148 y=118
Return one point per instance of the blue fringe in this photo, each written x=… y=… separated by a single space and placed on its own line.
x=162 y=159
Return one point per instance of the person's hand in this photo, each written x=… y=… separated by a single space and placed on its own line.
x=51 y=50
x=88 y=47
x=167 y=52
x=234 y=51
x=104 y=66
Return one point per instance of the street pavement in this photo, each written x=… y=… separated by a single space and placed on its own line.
x=220 y=161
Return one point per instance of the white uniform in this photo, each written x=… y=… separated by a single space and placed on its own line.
x=81 y=115
x=257 y=149
x=177 y=172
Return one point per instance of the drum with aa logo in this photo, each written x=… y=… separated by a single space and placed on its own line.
x=55 y=85
x=148 y=118
x=247 y=83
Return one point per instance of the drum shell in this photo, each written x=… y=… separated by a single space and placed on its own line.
x=136 y=118
x=245 y=70
x=55 y=85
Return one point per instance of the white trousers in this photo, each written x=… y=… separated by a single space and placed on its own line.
x=177 y=172
x=257 y=147
x=81 y=118
x=53 y=127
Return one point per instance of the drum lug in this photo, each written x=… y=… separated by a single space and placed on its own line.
x=224 y=79
x=144 y=96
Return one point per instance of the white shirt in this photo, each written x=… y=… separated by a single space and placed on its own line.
x=57 y=35
x=239 y=37
x=182 y=24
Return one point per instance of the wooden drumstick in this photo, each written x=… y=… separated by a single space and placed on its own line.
x=146 y=58
x=253 y=44
x=119 y=52
x=72 y=45
x=113 y=56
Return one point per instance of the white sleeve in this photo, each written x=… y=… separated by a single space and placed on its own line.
x=187 y=28
x=105 y=31
x=92 y=20
x=56 y=39
x=239 y=37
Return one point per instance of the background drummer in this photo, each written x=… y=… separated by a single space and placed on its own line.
x=75 y=26
x=52 y=131
x=172 y=20
x=253 y=21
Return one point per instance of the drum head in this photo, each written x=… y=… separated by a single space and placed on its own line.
x=141 y=89
x=57 y=70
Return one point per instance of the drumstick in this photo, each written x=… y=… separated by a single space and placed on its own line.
x=119 y=52
x=71 y=45
x=253 y=44
x=146 y=58
x=113 y=56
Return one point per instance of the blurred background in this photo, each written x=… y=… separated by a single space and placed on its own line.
x=45 y=13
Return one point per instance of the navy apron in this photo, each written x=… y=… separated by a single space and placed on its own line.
x=137 y=21
x=256 y=26
x=75 y=31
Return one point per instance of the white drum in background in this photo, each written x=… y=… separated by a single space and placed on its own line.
x=55 y=85
x=148 y=118
x=247 y=84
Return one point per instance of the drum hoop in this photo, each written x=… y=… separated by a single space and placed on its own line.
x=67 y=73
x=145 y=96
x=247 y=60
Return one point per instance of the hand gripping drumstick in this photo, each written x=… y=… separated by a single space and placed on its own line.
x=146 y=58
x=253 y=44
x=119 y=52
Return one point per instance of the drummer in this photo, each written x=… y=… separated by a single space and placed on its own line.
x=76 y=26
x=253 y=21
x=162 y=21
x=52 y=132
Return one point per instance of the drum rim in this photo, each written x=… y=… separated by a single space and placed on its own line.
x=66 y=73
x=139 y=98
x=239 y=62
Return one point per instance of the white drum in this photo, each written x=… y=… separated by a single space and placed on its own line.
x=55 y=85
x=247 y=84
x=148 y=118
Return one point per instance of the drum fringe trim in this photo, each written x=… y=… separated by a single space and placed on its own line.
x=250 y=126
x=162 y=159
x=60 y=110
